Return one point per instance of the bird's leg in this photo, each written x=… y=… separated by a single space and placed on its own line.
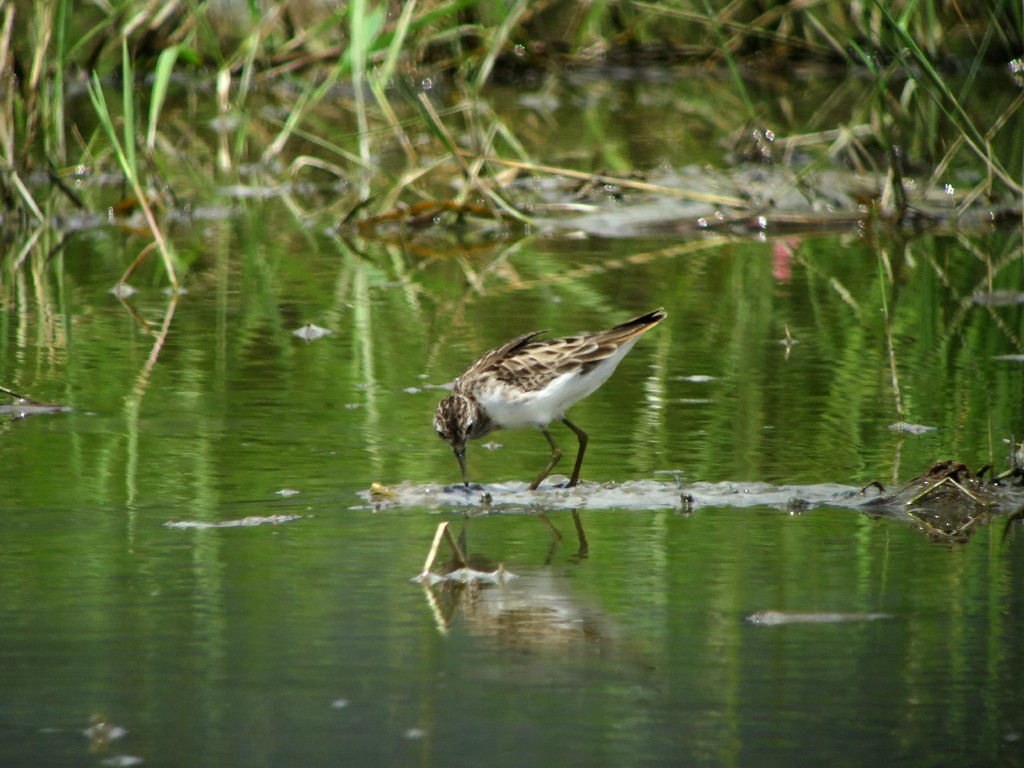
x=556 y=454
x=575 y=479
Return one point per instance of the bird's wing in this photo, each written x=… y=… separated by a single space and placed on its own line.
x=495 y=356
x=535 y=364
x=532 y=364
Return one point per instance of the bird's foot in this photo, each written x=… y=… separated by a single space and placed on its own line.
x=553 y=486
x=466 y=489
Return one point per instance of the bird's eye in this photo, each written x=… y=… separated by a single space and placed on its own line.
x=441 y=434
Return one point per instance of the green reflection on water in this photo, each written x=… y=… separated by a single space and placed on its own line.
x=232 y=387
x=234 y=646
x=230 y=646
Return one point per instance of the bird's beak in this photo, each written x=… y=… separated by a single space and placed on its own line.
x=460 y=454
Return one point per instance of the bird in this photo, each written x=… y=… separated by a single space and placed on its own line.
x=530 y=382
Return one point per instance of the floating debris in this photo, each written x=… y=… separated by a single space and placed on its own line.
x=910 y=429
x=339 y=703
x=25 y=408
x=311 y=332
x=949 y=500
x=123 y=761
x=254 y=192
x=462 y=575
x=425 y=213
x=123 y=291
x=379 y=490
x=101 y=732
x=635 y=494
x=466 y=576
x=442 y=534
x=775 y=618
x=287 y=492
x=244 y=522
x=1000 y=298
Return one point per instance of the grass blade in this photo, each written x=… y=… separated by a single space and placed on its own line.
x=730 y=60
x=941 y=93
x=128 y=102
x=161 y=81
x=99 y=103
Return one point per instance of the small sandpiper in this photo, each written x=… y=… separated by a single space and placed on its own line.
x=526 y=383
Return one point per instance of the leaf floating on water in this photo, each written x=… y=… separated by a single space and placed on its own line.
x=381 y=491
x=123 y=291
x=311 y=332
x=242 y=523
x=911 y=429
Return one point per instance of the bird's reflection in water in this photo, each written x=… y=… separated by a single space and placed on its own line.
x=533 y=609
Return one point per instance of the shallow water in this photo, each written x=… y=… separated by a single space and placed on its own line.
x=305 y=642
x=192 y=551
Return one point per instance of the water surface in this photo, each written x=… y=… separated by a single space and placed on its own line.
x=305 y=640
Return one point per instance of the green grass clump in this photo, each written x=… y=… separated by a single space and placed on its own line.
x=285 y=82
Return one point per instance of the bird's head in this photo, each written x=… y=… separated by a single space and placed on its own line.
x=454 y=421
